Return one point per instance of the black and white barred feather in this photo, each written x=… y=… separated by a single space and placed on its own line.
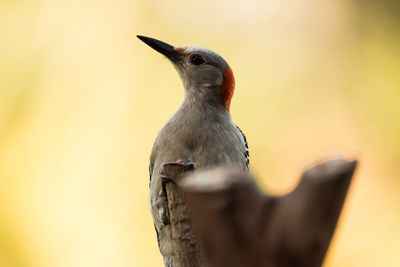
x=246 y=151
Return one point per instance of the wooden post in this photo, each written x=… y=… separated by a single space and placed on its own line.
x=237 y=225
x=185 y=243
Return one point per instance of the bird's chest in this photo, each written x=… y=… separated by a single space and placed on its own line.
x=206 y=141
x=218 y=144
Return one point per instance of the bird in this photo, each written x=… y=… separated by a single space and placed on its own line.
x=201 y=131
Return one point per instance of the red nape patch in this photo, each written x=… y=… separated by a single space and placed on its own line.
x=227 y=87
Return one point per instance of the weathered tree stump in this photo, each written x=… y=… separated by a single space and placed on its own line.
x=237 y=225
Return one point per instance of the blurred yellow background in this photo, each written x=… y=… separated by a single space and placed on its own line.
x=81 y=101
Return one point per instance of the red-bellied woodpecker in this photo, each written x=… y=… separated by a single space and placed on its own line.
x=201 y=131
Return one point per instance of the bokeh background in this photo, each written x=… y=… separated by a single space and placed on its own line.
x=81 y=101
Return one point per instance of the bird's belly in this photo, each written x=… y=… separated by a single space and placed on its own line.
x=205 y=154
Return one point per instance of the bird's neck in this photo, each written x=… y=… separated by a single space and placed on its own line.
x=212 y=95
x=200 y=105
x=202 y=97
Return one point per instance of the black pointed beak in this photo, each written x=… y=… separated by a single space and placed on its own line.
x=164 y=48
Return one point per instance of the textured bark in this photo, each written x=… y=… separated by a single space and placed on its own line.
x=238 y=225
x=184 y=239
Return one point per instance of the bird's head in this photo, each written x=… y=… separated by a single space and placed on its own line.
x=203 y=72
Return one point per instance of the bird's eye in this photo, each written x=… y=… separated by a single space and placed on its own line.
x=196 y=59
